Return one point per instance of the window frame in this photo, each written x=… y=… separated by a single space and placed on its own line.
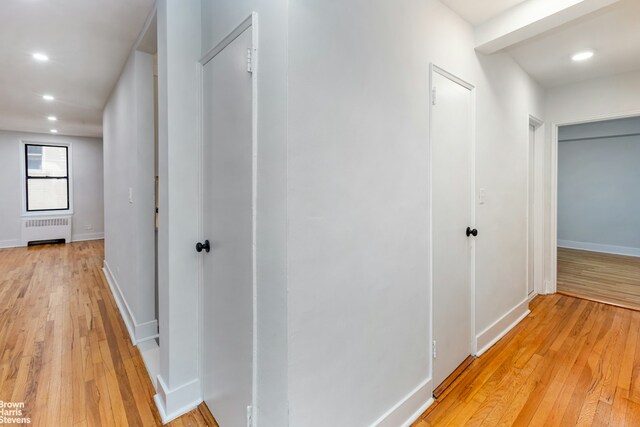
x=24 y=178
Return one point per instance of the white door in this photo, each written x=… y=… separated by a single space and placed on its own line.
x=228 y=226
x=452 y=207
x=531 y=204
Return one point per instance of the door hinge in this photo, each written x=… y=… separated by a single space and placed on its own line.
x=434 y=349
x=249 y=62
x=249 y=416
x=433 y=96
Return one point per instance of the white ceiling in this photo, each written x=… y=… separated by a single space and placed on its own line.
x=87 y=42
x=613 y=33
x=478 y=11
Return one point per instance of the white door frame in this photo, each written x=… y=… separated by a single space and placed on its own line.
x=473 y=345
x=538 y=205
x=553 y=202
x=250 y=22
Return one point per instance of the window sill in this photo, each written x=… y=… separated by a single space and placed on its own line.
x=46 y=213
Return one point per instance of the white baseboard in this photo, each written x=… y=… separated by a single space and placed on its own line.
x=500 y=327
x=87 y=236
x=150 y=352
x=146 y=331
x=409 y=409
x=4 y=244
x=598 y=247
x=121 y=302
x=138 y=332
x=174 y=403
x=15 y=243
x=143 y=336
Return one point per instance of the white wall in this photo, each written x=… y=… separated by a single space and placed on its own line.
x=605 y=97
x=219 y=19
x=592 y=99
x=129 y=166
x=358 y=200
x=87 y=185
x=129 y=161
x=343 y=246
x=598 y=176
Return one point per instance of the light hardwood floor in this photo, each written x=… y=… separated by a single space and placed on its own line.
x=65 y=352
x=64 y=349
x=612 y=279
x=570 y=362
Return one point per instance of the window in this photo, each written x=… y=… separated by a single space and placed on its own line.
x=46 y=177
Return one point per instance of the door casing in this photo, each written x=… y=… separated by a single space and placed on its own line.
x=535 y=210
x=551 y=174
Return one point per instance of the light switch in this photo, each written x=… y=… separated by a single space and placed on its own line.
x=130 y=195
x=482 y=195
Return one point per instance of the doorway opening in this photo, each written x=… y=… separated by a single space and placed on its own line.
x=598 y=211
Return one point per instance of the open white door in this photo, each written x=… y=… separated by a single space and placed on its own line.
x=228 y=226
x=452 y=223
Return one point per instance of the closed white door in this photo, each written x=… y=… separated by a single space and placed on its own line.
x=228 y=227
x=452 y=204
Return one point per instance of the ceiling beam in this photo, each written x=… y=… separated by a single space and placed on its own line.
x=529 y=19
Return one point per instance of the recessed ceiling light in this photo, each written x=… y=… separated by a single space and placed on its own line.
x=582 y=56
x=52 y=118
x=54 y=130
x=48 y=97
x=40 y=57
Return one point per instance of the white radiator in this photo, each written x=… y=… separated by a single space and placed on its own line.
x=42 y=228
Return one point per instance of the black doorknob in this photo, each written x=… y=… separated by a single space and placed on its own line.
x=473 y=232
x=201 y=246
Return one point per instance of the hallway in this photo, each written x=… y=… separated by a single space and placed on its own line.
x=66 y=352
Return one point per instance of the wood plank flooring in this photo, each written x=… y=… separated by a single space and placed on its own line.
x=570 y=362
x=64 y=349
x=612 y=279
x=65 y=352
